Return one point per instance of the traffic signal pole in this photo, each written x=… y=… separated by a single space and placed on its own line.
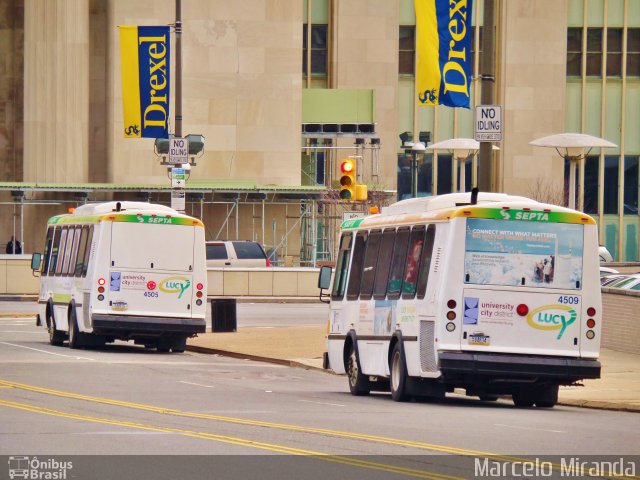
x=178 y=27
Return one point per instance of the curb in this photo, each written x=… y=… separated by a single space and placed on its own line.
x=599 y=405
x=255 y=358
x=596 y=405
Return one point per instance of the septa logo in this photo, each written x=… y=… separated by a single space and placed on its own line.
x=552 y=317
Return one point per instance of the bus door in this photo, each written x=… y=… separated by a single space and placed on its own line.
x=522 y=287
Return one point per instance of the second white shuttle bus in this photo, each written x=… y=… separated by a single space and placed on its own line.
x=492 y=293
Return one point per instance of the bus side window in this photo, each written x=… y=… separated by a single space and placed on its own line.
x=425 y=262
x=68 y=250
x=54 y=251
x=61 y=248
x=77 y=269
x=353 y=289
x=87 y=253
x=342 y=267
x=384 y=261
x=48 y=243
x=370 y=262
x=416 y=242
x=74 y=253
x=397 y=264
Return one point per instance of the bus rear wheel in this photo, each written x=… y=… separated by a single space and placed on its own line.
x=358 y=383
x=75 y=337
x=398 y=368
x=56 y=337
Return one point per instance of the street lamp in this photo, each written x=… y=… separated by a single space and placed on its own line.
x=571 y=147
x=416 y=149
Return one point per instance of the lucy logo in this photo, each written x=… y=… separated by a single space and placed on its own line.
x=175 y=285
x=552 y=317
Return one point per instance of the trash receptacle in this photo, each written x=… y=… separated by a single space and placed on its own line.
x=223 y=315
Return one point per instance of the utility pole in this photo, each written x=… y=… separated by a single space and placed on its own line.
x=487 y=75
x=178 y=27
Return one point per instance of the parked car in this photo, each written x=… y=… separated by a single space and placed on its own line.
x=235 y=253
x=604 y=271
x=627 y=282
x=609 y=279
x=605 y=256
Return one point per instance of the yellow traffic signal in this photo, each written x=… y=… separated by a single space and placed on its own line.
x=348 y=179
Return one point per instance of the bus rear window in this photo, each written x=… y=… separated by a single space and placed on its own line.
x=520 y=253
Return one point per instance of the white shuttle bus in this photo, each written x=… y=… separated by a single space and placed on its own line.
x=123 y=270
x=490 y=293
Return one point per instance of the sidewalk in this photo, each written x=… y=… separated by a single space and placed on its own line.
x=618 y=389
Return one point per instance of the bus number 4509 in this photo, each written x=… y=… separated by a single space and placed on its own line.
x=568 y=300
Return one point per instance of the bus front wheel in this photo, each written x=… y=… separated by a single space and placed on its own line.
x=358 y=383
x=398 y=381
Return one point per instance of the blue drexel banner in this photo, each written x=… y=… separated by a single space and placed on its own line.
x=443 y=43
x=144 y=53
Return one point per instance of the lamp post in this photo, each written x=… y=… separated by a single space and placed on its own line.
x=416 y=149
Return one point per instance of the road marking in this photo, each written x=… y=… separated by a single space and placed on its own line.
x=20 y=331
x=323 y=403
x=528 y=428
x=354 y=462
x=196 y=384
x=280 y=426
x=258 y=423
x=48 y=353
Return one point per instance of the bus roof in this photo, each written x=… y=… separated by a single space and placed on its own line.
x=125 y=211
x=489 y=205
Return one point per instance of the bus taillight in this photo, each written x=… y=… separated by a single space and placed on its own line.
x=101 y=281
x=199 y=293
x=591 y=323
x=591 y=312
x=522 y=310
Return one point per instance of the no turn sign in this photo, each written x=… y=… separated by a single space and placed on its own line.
x=488 y=124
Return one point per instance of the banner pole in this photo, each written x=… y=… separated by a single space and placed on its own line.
x=485 y=164
x=178 y=114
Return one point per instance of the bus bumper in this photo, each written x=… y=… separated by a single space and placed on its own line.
x=501 y=367
x=108 y=324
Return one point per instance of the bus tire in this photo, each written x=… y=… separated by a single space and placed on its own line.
x=179 y=344
x=75 y=337
x=358 y=383
x=398 y=370
x=547 y=396
x=523 y=399
x=56 y=337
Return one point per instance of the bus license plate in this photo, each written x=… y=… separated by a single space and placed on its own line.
x=478 y=339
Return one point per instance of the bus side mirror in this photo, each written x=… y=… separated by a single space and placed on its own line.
x=36 y=260
x=324 y=281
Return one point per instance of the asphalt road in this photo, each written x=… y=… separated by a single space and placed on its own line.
x=227 y=415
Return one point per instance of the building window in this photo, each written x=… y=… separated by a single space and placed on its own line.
x=594 y=52
x=611 y=184
x=631 y=178
x=319 y=49
x=406 y=61
x=574 y=52
x=614 y=52
x=633 y=52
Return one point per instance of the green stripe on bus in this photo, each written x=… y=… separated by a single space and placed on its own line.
x=527 y=215
x=353 y=223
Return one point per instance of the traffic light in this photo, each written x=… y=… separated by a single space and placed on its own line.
x=348 y=179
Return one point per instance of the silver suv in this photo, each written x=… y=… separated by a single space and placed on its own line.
x=236 y=253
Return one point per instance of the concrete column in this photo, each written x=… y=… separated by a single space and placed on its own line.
x=56 y=91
